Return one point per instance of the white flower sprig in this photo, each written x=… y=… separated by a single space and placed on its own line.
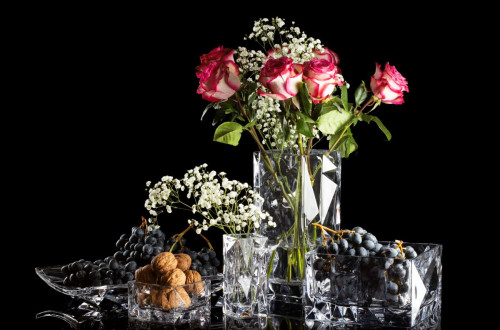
x=222 y=203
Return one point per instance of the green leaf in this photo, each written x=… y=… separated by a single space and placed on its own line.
x=334 y=121
x=228 y=133
x=360 y=94
x=303 y=127
x=251 y=98
x=346 y=145
x=370 y=118
x=210 y=105
x=306 y=118
x=304 y=99
x=344 y=96
x=250 y=124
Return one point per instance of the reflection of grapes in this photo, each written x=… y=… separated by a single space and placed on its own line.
x=385 y=277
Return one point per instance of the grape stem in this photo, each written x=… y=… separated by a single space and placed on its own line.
x=144 y=225
x=339 y=233
x=178 y=237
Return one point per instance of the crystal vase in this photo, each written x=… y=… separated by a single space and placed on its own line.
x=244 y=280
x=298 y=191
x=362 y=291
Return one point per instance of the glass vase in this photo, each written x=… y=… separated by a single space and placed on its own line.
x=298 y=191
x=362 y=291
x=244 y=279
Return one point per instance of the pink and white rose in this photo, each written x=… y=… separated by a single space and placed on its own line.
x=321 y=76
x=218 y=75
x=328 y=55
x=388 y=85
x=281 y=77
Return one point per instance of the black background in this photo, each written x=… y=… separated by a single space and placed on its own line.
x=114 y=105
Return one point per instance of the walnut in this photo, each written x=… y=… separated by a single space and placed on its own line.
x=191 y=277
x=183 y=261
x=175 y=298
x=173 y=277
x=145 y=275
x=164 y=262
x=157 y=295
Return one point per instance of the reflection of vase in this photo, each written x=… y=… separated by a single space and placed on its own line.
x=244 y=282
x=298 y=190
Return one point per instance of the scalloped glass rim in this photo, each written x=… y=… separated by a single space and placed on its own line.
x=53 y=276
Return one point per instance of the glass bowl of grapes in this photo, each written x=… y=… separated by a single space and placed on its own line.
x=354 y=279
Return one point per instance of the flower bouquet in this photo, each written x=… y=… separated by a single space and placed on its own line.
x=293 y=100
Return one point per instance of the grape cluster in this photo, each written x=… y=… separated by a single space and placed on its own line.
x=385 y=277
x=204 y=262
x=135 y=250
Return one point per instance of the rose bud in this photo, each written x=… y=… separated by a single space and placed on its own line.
x=321 y=77
x=388 y=85
x=281 y=76
x=218 y=75
x=328 y=55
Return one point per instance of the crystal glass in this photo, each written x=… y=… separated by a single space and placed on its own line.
x=365 y=290
x=244 y=282
x=187 y=304
x=298 y=191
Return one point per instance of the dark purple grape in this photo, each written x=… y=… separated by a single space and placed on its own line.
x=356 y=239
x=368 y=244
x=322 y=249
x=212 y=254
x=318 y=264
x=75 y=266
x=333 y=248
x=65 y=270
x=67 y=282
x=215 y=262
x=147 y=249
x=131 y=266
x=150 y=240
x=392 y=288
x=95 y=275
x=107 y=281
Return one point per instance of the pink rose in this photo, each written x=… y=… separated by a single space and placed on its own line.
x=281 y=76
x=388 y=85
x=328 y=55
x=218 y=75
x=321 y=77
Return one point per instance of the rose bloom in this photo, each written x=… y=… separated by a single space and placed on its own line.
x=218 y=75
x=281 y=76
x=328 y=55
x=388 y=85
x=321 y=77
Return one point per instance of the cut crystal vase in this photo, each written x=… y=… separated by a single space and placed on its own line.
x=298 y=191
x=360 y=291
x=244 y=279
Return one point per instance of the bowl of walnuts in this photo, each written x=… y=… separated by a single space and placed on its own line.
x=167 y=291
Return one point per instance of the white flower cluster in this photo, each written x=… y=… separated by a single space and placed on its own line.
x=226 y=204
x=250 y=60
x=293 y=42
x=267 y=112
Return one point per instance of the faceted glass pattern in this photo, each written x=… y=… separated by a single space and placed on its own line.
x=358 y=290
x=279 y=177
x=145 y=304
x=244 y=275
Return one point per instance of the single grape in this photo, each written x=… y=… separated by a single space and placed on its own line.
x=318 y=264
x=131 y=266
x=194 y=266
x=113 y=264
x=370 y=237
x=98 y=262
x=128 y=277
x=107 y=281
x=121 y=242
x=215 y=262
x=126 y=254
x=322 y=249
x=319 y=275
x=356 y=239
x=204 y=256
x=368 y=244
x=397 y=271
x=157 y=250
x=333 y=248
x=138 y=247
x=150 y=240
x=203 y=272
x=212 y=254
x=89 y=267
x=404 y=288
x=65 y=270
x=133 y=239
x=67 y=282
x=392 y=288
x=147 y=249
x=119 y=256
x=107 y=259
x=361 y=251
x=351 y=252
x=389 y=252
x=119 y=273
x=110 y=274
x=75 y=266
x=95 y=275
x=377 y=247
x=343 y=245
x=359 y=230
